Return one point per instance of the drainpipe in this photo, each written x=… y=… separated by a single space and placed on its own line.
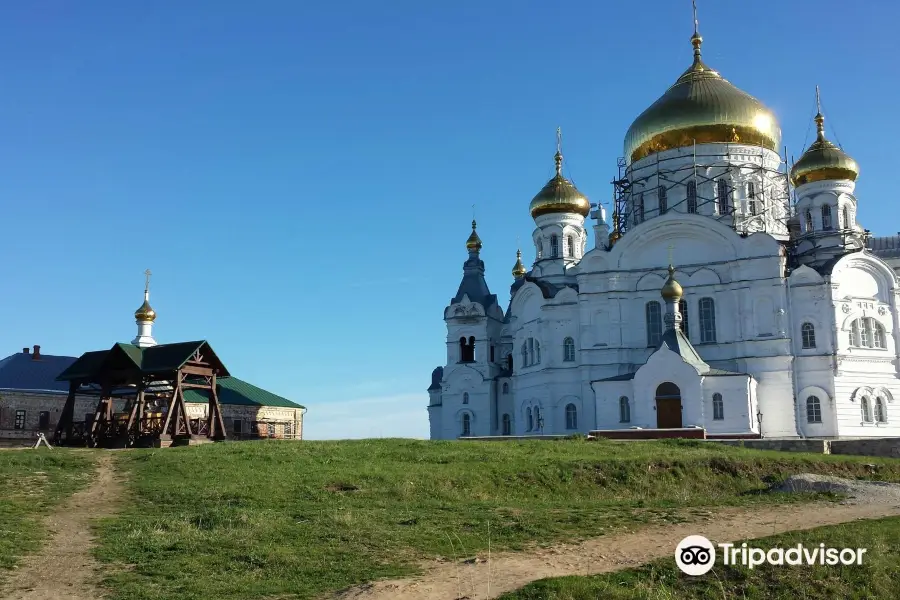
x=302 y=427
x=793 y=346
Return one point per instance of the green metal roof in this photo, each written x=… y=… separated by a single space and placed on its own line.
x=232 y=390
x=155 y=359
x=83 y=367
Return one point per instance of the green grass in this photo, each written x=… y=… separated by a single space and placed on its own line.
x=267 y=519
x=32 y=482
x=878 y=577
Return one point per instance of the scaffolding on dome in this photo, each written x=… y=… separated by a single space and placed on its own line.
x=729 y=206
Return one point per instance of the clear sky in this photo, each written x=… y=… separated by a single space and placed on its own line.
x=300 y=175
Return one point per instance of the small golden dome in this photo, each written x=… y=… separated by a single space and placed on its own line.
x=518 y=270
x=671 y=290
x=701 y=106
x=474 y=242
x=145 y=312
x=823 y=161
x=559 y=196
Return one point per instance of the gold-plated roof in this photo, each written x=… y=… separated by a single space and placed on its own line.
x=518 y=270
x=823 y=161
x=701 y=107
x=145 y=312
x=671 y=289
x=474 y=242
x=559 y=196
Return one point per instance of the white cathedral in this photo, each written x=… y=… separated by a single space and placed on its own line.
x=725 y=292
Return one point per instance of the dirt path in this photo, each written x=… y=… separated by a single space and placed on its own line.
x=62 y=570
x=505 y=572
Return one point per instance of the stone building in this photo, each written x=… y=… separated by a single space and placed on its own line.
x=32 y=396
x=786 y=320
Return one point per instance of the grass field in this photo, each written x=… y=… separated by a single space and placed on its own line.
x=31 y=483
x=878 y=578
x=268 y=519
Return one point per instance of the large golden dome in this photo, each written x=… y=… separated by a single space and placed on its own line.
x=823 y=161
x=559 y=196
x=704 y=107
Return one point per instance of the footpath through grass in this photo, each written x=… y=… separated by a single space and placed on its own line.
x=877 y=578
x=33 y=482
x=265 y=519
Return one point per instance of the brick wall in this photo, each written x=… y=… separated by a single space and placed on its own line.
x=33 y=403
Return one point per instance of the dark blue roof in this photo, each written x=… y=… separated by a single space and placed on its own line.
x=22 y=371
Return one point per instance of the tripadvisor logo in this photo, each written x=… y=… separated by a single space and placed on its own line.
x=696 y=555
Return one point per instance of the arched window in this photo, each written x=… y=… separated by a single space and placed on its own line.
x=826 y=217
x=723 y=198
x=507 y=426
x=505 y=387
x=524 y=354
x=718 y=407
x=554 y=246
x=707 y=320
x=867 y=333
x=683 y=309
x=571 y=417
x=509 y=362
x=809 y=222
x=846 y=212
x=751 y=198
x=813 y=410
x=538 y=250
x=808 y=336
x=692 y=196
x=639 y=209
x=466 y=424
x=529 y=419
x=568 y=349
x=878 y=337
x=864 y=407
x=624 y=410
x=880 y=410
x=570 y=245
x=465 y=397
x=538 y=420
x=537 y=352
x=663 y=200
x=654 y=323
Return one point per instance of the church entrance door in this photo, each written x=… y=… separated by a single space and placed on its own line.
x=668 y=406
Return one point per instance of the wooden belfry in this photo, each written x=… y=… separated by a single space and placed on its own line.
x=149 y=385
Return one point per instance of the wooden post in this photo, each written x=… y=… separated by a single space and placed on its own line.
x=216 y=421
x=172 y=405
x=67 y=415
x=179 y=392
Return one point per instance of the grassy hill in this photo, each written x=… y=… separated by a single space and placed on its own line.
x=876 y=578
x=270 y=519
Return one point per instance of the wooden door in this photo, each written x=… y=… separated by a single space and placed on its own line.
x=668 y=413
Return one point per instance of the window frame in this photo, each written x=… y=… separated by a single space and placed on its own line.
x=569 y=349
x=808 y=336
x=624 y=409
x=692 y=197
x=653 y=323
x=718 y=404
x=19 y=418
x=707 y=313
x=571 y=416
x=813 y=410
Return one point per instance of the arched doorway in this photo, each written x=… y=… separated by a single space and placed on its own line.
x=668 y=406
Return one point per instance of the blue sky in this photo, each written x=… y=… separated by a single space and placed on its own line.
x=300 y=175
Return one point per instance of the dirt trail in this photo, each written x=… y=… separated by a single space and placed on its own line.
x=505 y=572
x=63 y=568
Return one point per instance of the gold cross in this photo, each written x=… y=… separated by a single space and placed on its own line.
x=696 y=23
x=671 y=247
x=147 y=275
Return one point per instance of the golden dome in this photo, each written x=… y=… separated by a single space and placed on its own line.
x=704 y=107
x=671 y=290
x=473 y=244
x=823 y=161
x=518 y=269
x=559 y=196
x=145 y=312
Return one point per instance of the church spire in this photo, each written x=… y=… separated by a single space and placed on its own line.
x=144 y=317
x=696 y=39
